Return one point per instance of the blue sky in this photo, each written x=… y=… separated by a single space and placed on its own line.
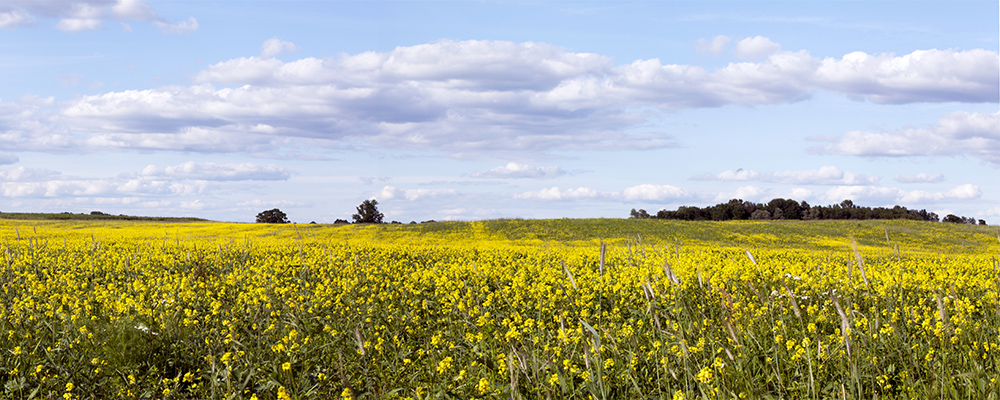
x=453 y=110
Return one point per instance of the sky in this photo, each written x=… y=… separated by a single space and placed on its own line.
x=471 y=110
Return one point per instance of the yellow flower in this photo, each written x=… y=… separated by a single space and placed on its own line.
x=286 y=366
x=444 y=365
x=282 y=394
x=704 y=376
x=483 y=386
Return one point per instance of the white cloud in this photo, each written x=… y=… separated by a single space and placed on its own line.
x=22 y=174
x=738 y=175
x=800 y=193
x=919 y=178
x=461 y=98
x=188 y=26
x=992 y=212
x=134 y=9
x=555 y=193
x=756 y=47
x=958 y=133
x=79 y=24
x=258 y=204
x=181 y=180
x=921 y=76
x=825 y=175
x=748 y=193
x=391 y=192
x=654 y=192
x=714 y=46
x=387 y=193
x=514 y=171
x=887 y=195
x=15 y=19
x=217 y=172
x=415 y=194
x=81 y=15
x=274 y=46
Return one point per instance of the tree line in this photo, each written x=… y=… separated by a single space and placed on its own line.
x=738 y=209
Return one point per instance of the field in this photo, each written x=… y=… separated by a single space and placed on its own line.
x=506 y=309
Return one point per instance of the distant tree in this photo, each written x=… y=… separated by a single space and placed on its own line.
x=273 y=216
x=982 y=222
x=689 y=213
x=760 y=214
x=952 y=218
x=368 y=213
x=341 y=221
x=641 y=214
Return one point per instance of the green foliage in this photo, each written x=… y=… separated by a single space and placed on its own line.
x=368 y=213
x=273 y=216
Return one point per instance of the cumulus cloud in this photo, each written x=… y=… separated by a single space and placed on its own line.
x=825 y=175
x=714 y=46
x=919 y=178
x=184 y=179
x=218 y=172
x=274 y=46
x=58 y=185
x=15 y=19
x=921 y=76
x=22 y=174
x=555 y=193
x=465 y=98
x=516 y=171
x=888 y=195
x=654 y=192
x=82 y=15
x=799 y=193
x=391 y=192
x=955 y=134
x=756 y=47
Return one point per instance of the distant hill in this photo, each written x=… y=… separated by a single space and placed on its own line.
x=93 y=216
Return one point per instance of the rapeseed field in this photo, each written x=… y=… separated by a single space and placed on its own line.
x=508 y=309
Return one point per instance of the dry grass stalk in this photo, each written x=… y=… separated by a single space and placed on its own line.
x=845 y=323
x=670 y=272
x=861 y=264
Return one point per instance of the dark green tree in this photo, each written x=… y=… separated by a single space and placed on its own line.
x=952 y=218
x=274 y=216
x=368 y=213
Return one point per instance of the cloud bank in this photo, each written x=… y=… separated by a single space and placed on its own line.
x=86 y=15
x=955 y=134
x=475 y=97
